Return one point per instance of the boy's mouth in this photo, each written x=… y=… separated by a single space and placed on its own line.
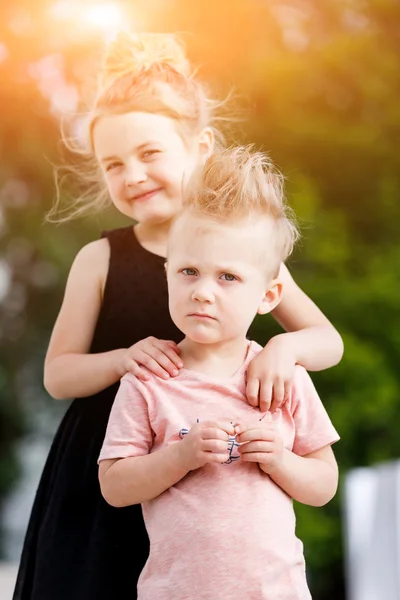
x=201 y=316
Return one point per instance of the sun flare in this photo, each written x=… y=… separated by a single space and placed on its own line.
x=105 y=17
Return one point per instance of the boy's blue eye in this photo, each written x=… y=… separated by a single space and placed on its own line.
x=189 y=272
x=229 y=277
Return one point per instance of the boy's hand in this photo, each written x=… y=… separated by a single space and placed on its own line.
x=262 y=443
x=161 y=357
x=206 y=442
x=270 y=375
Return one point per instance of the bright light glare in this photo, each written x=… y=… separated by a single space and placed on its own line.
x=106 y=17
x=103 y=16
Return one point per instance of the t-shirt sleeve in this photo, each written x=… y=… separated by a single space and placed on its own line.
x=313 y=427
x=129 y=431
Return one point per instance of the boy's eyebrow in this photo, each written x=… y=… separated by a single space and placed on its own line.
x=114 y=157
x=221 y=268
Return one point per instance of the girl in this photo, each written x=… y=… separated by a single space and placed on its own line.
x=150 y=126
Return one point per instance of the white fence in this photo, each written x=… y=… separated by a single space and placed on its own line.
x=372 y=532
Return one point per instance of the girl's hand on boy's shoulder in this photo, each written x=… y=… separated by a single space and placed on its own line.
x=270 y=375
x=161 y=357
x=261 y=442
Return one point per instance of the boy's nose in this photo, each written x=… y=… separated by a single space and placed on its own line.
x=203 y=294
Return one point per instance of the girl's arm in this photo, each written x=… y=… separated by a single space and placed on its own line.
x=316 y=344
x=69 y=370
x=310 y=341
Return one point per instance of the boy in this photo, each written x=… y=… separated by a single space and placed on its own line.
x=215 y=475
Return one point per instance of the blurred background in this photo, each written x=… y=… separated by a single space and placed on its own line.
x=316 y=84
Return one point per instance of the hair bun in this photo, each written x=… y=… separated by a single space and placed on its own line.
x=132 y=54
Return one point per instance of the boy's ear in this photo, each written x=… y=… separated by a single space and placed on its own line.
x=206 y=142
x=165 y=267
x=272 y=297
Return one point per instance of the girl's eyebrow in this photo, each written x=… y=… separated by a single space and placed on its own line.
x=108 y=158
x=114 y=157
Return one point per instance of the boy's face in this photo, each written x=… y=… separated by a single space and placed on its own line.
x=217 y=278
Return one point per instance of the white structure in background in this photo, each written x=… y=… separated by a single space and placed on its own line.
x=372 y=532
x=8 y=575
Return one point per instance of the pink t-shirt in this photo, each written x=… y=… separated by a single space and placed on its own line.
x=225 y=530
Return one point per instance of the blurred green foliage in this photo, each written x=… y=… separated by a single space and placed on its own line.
x=318 y=86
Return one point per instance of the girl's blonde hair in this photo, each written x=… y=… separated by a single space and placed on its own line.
x=143 y=72
x=240 y=183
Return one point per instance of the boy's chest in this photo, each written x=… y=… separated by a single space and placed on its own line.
x=172 y=417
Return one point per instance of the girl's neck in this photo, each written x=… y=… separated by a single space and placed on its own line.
x=222 y=359
x=153 y=237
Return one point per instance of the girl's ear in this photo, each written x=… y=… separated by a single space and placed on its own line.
x=206 y=142
x=272 y=297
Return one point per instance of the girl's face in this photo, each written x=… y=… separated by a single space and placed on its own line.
x=144 y=161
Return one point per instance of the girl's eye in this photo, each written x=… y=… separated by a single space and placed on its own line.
x=189 y=272
x=229 y=277
x=113 y=165
x=150 y=153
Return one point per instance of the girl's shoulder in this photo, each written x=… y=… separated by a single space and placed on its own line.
x=95 y=253
x=92 y=260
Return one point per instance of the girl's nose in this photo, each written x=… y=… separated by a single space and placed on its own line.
x=135 y=174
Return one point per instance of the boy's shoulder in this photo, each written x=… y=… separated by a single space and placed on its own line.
x=154 y=383
x=302 y=392
x=253 y=350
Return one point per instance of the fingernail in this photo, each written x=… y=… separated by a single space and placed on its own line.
x=166 y=376
x=175 y=372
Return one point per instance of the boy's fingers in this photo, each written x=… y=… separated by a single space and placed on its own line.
x=216 y=446
x=240 y=427
x=214 y=433
x=218 y=458
x=258 y=434
x=223 y=426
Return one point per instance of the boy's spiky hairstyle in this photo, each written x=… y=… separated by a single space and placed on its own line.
x=238 y=183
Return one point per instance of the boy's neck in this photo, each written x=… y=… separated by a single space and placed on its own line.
x=222 y=359
x=153 y=238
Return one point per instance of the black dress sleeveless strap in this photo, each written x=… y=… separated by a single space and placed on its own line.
x=77 y=547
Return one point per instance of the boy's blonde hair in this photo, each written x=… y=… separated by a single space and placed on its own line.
x=239 y=183
x=141 y=72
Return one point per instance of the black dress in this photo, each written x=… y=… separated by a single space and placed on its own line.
x=77 y=547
